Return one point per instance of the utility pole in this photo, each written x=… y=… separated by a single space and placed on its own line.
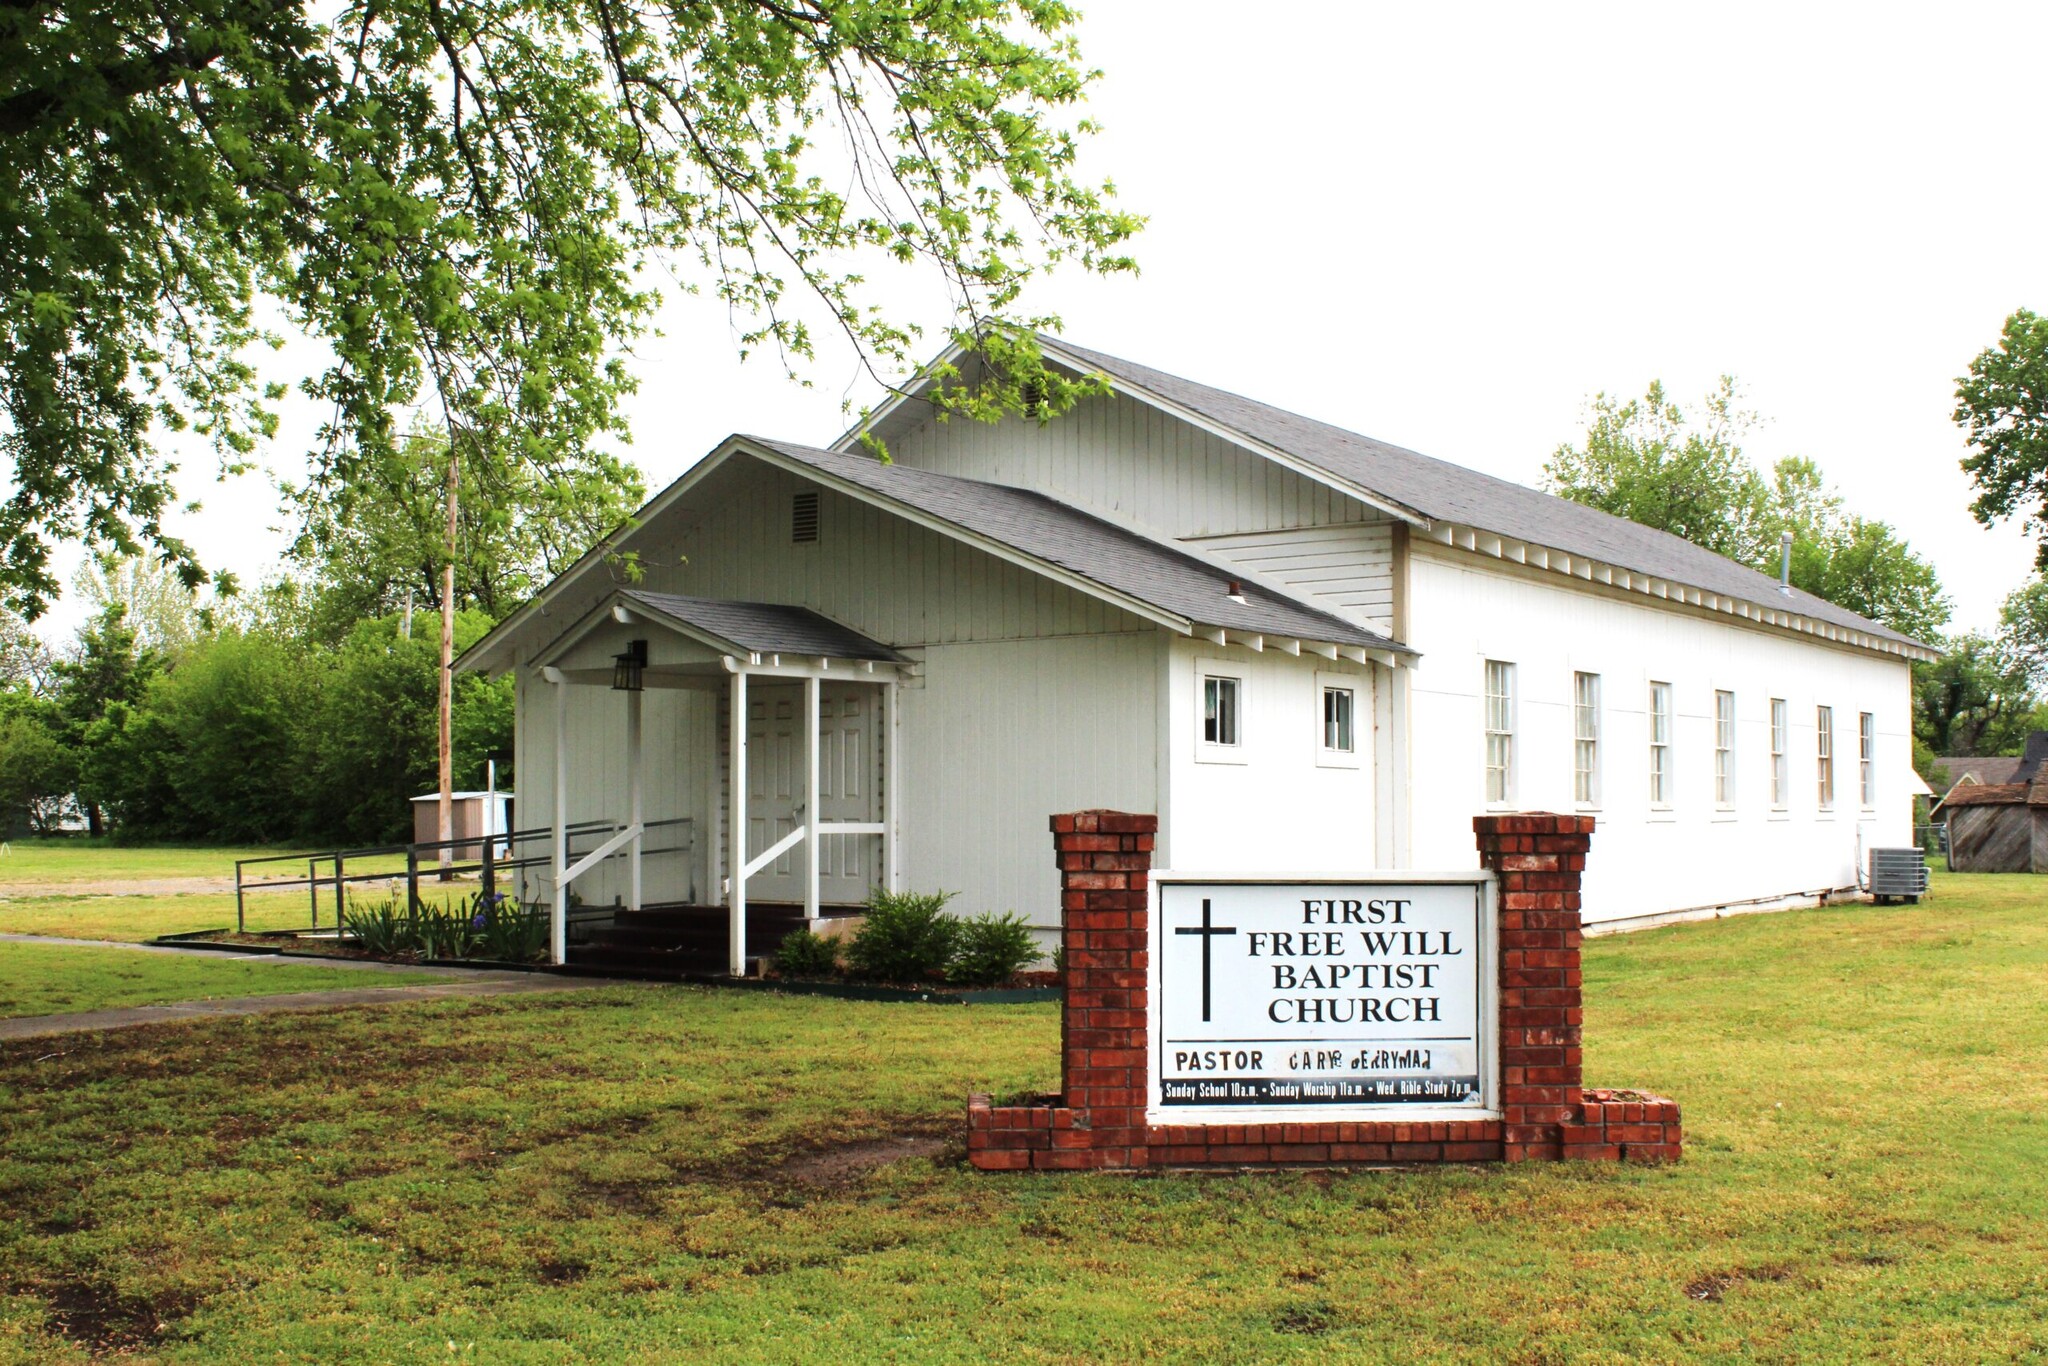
x=447 y=745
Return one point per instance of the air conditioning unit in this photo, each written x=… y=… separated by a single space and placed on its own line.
x=1898 y=875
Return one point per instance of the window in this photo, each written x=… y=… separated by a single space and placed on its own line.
x=1660 y=744
x=1824 y=754
x=1219 y=711
x=1500 y=731
x=1724 y=749
x=1779 y=786
x=1337 y=738
x=1586 y=739
x=1866 y=750
x=1219 y=693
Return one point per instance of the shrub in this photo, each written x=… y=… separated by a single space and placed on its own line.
x=804 y=954
x=506 y=931
x=990 y=949
x=907 y=937
x=380 y=927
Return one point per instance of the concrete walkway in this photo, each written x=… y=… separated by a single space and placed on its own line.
x=468 y=983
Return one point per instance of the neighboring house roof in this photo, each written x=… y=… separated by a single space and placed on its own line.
x=767 y=628
x=1166 y=576
x=1997 y=794
x=1435 y=491
x=1996 y=768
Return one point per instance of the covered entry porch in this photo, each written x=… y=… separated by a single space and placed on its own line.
x=776 y=753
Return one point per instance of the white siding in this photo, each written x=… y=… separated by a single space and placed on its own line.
x=1124 y=459
x=1278 y=811
x=1033 y=699
x=1347 y=569
x=1695 y=856
x=996 y=738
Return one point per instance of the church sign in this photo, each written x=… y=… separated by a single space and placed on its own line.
x=1359 y=998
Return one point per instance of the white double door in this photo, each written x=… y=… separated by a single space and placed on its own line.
x=849 y=788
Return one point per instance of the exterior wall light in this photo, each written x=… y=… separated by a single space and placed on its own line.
x=629 y=668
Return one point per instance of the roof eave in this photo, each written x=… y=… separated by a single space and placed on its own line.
x=1590 y=569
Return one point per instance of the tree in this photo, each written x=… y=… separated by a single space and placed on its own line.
x=1651 y=462
x=2002 y=406
x=38 y=770
x=1985 y=695
x=156 y=602
x=465 y=200
x=108 y=669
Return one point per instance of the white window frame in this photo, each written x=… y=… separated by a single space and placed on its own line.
x=1866 y=759
x=1781 y=763
x=1724 y=749
x=1209 y=751
x=1361 y=709
x=1586 y=739
x=1504 y=733
x=1662 y=781
x=1824 y=758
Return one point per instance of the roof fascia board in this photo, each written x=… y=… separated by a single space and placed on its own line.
x=1010 y=554
x=1582 y=569
x=476 y=657
x=1312 y=472
x=898 y=397
x=571 y=635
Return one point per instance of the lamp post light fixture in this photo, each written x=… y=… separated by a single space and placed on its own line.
x=629 y=668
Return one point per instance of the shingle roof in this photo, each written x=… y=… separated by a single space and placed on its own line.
x=1445 y=492
x=1993 y=769
x=1998 y=794
x=1166 y=576
x=765 y=627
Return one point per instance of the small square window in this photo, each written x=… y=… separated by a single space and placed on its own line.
x=1219 y=695
x=1338 y=699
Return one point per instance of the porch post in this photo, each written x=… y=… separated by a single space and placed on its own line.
x=558 y=910
x=891 y=879
x=812 y=852
x=736 y=828
x=633 y=798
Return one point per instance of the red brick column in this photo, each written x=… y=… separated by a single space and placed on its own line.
x=1105 y=860
x=1538 y=860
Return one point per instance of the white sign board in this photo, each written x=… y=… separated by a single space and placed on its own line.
x=1359 y=998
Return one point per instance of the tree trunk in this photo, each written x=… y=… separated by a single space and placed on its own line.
x=447 y=671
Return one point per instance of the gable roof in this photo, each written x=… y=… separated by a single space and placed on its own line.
x=1170 y=577
x=1440 y=494
x=1183 y=589
x=766 y=628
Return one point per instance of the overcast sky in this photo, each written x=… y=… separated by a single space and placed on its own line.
x=1448 y=227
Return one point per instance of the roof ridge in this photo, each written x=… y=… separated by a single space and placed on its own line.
x=1758 y=586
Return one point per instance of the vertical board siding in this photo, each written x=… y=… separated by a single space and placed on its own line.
x=869 y=569
x=1349 y=569
x=997 y=737
x=1117 y=456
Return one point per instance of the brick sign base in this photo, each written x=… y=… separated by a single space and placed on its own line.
x=1098 y=1120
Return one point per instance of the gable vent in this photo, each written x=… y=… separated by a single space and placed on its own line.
x=803 y=518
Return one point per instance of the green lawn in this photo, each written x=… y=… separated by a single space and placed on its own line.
x=49 y=861
x=136 y=918
x=55 y=979
x=638 y=1175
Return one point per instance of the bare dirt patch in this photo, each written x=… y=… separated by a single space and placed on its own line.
x=841 y=1163
x=106 y=1320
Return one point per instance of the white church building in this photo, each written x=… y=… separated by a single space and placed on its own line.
x=1307 y=651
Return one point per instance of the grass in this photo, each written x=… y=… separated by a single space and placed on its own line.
x=52 y=861
x=136 y=918
x=656 y=1174
x=53 y=979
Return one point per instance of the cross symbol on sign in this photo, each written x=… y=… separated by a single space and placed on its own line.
x=1208 y=933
